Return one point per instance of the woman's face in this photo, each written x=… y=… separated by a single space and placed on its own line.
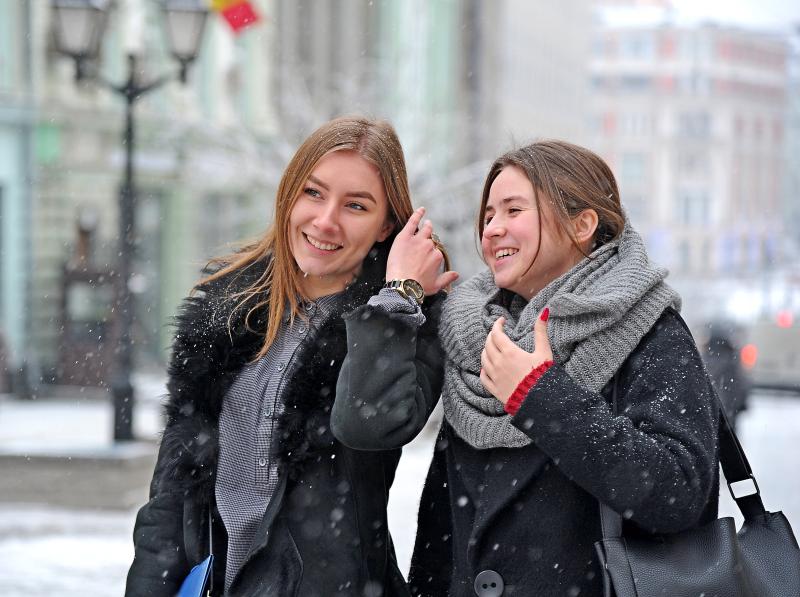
x=342 y=211
x=510 y=241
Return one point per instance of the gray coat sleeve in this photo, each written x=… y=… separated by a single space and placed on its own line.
x=390 y=380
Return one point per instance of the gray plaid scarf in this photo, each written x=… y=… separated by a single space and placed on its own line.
x=599 y=311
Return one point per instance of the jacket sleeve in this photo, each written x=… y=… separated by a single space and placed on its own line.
x=159 y=563
x=656 y=462
x=390 y=380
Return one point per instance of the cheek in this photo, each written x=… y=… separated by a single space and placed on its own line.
x=296 y=215
x=485 y=248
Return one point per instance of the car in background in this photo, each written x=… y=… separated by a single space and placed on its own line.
x=770 y=352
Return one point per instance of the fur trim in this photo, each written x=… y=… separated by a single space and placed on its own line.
x=207 y=357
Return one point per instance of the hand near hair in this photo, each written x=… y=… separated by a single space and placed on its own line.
x=505 y=365
x=415 y=255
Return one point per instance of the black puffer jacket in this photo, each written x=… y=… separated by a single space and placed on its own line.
x=325 y=531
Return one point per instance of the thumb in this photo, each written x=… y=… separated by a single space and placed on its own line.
x=444 y=280
x=540 y=338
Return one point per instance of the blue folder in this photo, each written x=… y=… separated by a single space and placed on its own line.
x=196 y=582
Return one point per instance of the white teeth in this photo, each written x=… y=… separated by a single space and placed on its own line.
x=321 y=245
x=505 y=253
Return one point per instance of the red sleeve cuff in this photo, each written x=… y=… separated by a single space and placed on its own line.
x=515 y=401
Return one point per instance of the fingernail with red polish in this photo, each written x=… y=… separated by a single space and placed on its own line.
x=545 y=314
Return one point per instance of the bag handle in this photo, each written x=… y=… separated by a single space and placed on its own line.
x=732 y=457
x=211 y=549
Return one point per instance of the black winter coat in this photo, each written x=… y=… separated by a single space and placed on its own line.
x=531 y=514
x=325 y=531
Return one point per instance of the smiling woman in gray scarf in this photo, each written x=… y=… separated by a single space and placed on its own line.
x=570 y=308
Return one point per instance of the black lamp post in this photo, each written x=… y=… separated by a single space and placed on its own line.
x=79 y=26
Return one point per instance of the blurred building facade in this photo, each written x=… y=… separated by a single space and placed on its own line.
x=461 y=81
x=792 y=145
x=528 y=72
x=197 y=164
x=693 y=121
x=17 y=130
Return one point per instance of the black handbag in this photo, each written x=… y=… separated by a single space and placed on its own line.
x=761 y=560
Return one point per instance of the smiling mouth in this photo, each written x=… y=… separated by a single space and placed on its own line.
x=322 y=246
x=502 y=254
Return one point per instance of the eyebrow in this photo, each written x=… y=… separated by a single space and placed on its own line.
x=360 y=194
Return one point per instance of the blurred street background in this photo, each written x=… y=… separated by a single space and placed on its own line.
x=133 y=150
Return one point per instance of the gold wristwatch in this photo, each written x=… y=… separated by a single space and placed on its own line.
x=411 y=289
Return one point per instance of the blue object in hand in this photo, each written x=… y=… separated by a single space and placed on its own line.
x=196 y=582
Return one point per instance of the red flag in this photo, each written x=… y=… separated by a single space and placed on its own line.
x=239 y=13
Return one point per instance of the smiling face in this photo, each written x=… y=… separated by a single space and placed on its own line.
x=341 y=212
x=523 y=253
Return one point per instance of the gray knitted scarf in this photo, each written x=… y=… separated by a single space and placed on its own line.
x=599 y=311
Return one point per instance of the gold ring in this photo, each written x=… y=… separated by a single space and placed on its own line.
x=436 y=242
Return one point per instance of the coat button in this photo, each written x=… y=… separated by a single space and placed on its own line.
x=489 y=584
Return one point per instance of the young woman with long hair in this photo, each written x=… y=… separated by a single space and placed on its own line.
x=570 y=309
x=248 y=462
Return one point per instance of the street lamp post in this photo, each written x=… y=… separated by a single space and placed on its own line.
x=79 y=26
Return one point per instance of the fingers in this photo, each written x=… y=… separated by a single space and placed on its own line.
x=444 y=280
x=410 y=229
x=426 y=230
x=491 y=351
x=498 y=337
x=486 y=381
x=540 y=339
x=491 y=339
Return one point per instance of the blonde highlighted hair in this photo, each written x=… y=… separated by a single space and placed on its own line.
x=280 y=285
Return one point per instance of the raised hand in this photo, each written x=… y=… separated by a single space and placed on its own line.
x=505 y=365
x=415 y=255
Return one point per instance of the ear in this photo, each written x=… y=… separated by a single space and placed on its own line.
x=386 y=230
x=584 y=225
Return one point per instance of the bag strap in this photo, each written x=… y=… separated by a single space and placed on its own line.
x=211 y=548
x=732 y=457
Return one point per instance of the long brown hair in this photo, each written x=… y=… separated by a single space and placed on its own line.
x=572 y=178
x=374 y=140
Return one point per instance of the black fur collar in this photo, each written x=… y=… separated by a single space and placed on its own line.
x=207 y=356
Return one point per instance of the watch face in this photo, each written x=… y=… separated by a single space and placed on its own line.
x=414 y=289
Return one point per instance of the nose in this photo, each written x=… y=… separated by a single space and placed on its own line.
x=327 y=217
x=494 y=228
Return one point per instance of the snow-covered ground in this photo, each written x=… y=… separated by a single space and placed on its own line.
x=48 y=551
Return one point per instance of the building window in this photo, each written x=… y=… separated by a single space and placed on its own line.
x=633 y=168
x=641 y=47
x=636 y=124
x=692 y=163
x=636 y=208
x=684 y=255
x=692 y=207
x=635 y=83
x=694 y=124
